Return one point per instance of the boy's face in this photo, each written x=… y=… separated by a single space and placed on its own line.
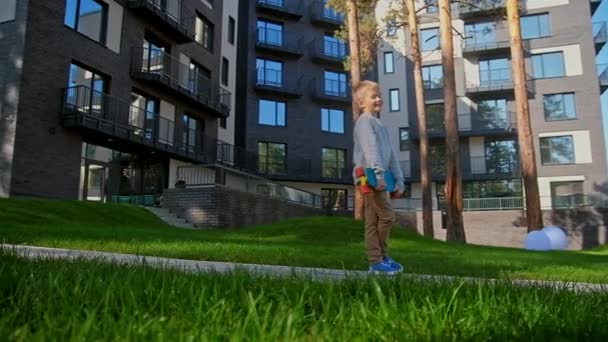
x=371 y=101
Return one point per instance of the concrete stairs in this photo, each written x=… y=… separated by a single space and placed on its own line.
x=170 y=218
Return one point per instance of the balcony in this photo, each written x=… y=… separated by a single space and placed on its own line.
x=288 y=9
x=272 y=81
x=115 y=119
x=326 y=90
x=332 y=53
x=600 y=35
x=486 y=168
x=602 y=70
x=279 y=42
x=594 y=5
x=471 y=47
x=171 y=16
x=495 y=82
x=325 y=17
x=162 y=70
x=482 y=8
x=476 y=124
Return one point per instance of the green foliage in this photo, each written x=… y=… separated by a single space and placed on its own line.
x=331 y=242
x=86 y=301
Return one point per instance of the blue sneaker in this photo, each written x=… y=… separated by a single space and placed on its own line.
x=395 y=265
x=382 y=267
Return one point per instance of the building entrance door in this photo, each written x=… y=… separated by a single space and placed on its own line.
x=96 y=176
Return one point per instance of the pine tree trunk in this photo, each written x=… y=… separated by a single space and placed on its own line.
x=534 y=215
x=355 y=78
x=425 y=177
x=453 y=182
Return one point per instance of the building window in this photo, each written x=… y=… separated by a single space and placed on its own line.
x=535 y=26
x=334 y=199
x=225 y=71
x=431 y=6
x=389 y=66
x=199 y=79
x=270 y=33
x=492 y=189
x=189 y=130
x=404 y=139
x=429 y=39
x=500 y=158
x=432 y=77
x=493 y=72
x=567 y=194
x=559 y=107
x=88 y=17
x=437 y=155
x=332 y=120
x=269 y=72
x=491 y=114
x=391 y=28
x=204 y=32
x=86 y=89
x=480 y=33
x=231 y=30
x=223 y=122
x=335 y=83
x=394 y=105
x=548 y=65
x=143 y=114
x=330 y=13
x=333 y=163
x=434 y=117
x=557 y=150
x=271 y=113
x=271 y=157
x=333 y=47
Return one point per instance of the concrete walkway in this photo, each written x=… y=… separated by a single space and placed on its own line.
x=320 y=274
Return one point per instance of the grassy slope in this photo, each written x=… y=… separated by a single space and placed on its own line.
x=317 y=241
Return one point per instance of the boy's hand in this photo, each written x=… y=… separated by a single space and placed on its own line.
x=381 y=185
x=398 y=192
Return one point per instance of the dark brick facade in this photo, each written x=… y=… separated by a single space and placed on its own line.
x=217 y=206
x=47 y=156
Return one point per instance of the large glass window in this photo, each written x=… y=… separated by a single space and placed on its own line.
x=432 y=76
x=86 y=89
x=394 y=104
x=271 y=157
x=204 y=32
x=480 y=33
x=389 y=65
x=535 y=26
x=271 y=113
x=199 y=79
x=231 y=30
x=269 y=72
x=559 y=107
x=335 y=83
x=435 y=117
x=557 y=150
x=334 y=47
x=404 y=139
x=143 y=114
x=567 y=194
x=270 y=33
x=548 y=65
x=332 y=120
x=334 y=199
x=155 y=57
x=492 y=114
x=88 y=17
x=501 y=156
x=333 y=163
x=493 y=189
x=437 y=159
x=429 y=39
x=493 y=72
x=189 y=133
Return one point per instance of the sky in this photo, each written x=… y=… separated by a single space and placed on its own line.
x=602 y=15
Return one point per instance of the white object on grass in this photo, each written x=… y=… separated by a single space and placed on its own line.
x=557 y=237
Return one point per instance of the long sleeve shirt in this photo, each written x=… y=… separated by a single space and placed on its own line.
x=373 y=149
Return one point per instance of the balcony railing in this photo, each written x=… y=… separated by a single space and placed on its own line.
x=602 y=71
x=290 y=9
x=330 y=90
x=496 y=81
x=489 y=167
x=271 y=80
x=185 y=80
x=600 y=35
x=283 y=42
x=481 y=7
x=332 y=52
x=325 y=16
x=170 y=15
x=487 y=123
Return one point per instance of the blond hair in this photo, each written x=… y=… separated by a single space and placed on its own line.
x=359 y=92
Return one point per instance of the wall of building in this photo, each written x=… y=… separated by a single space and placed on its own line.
x=229 y=51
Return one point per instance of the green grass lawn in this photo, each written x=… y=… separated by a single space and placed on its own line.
x=78 y=300
x=317 y=241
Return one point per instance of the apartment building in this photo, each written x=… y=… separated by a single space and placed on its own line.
x=105 y=99
x=560 y=43
x=294 y=105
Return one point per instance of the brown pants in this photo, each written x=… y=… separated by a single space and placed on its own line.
x=379 y=218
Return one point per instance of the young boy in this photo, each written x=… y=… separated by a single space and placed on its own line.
x=373 y=150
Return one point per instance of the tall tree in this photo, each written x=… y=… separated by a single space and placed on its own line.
x=409 y=10
x=453 y=182
x=525 y=138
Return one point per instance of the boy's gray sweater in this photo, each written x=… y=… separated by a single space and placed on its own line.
x=373 y=148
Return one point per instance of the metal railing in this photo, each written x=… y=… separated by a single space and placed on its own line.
x=273 y=79
x=331 y=50
x=293 y=7
x=320 y=12
x=487 y=122
x=279 y=39
x=330 y=89
x=495 y=166
x=172 y=12
x=157 y=65
x=474 y=6
x=496 y=79
x=470 y=45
